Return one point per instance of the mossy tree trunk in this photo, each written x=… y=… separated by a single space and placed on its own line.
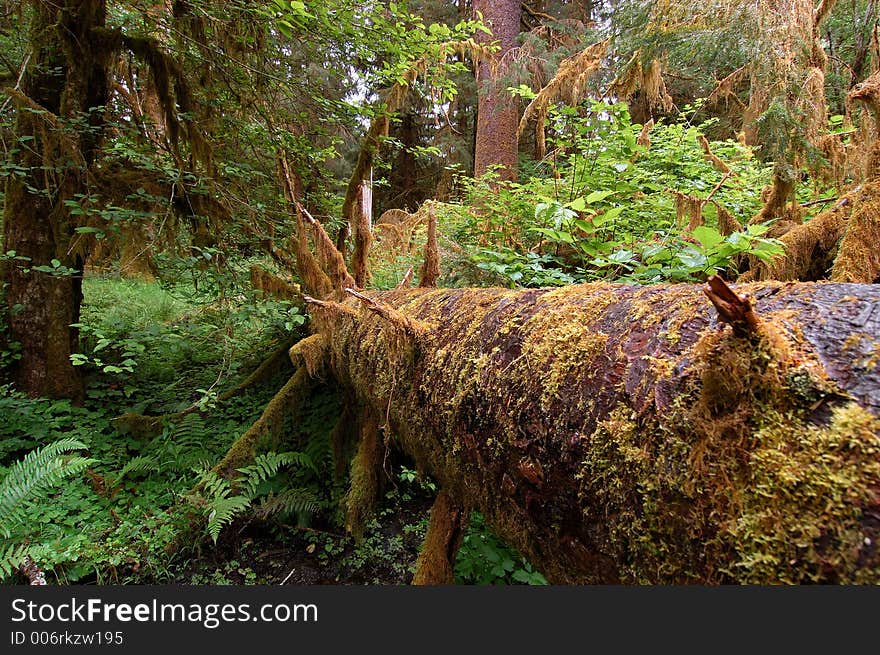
x=58 y=126
x=497 y=116
x=618 y=434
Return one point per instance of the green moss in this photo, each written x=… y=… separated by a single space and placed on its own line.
x=366 y=477
x=802 y=517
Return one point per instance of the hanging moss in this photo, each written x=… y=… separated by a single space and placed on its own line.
x=858 y=258
x=436 y=562
x=366 y=476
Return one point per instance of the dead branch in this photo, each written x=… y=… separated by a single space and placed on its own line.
x=732 y=308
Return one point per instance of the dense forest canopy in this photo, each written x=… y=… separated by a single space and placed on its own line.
x=278 y=276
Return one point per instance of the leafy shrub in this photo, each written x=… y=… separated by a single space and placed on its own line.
x=484 y=559
x=26 y=481
x=602 y=207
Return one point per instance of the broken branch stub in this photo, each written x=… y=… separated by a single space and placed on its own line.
x=732 y=308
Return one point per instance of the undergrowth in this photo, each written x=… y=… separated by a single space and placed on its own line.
x=607 y=205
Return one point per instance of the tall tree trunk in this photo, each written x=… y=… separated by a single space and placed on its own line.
x=497 y=120
x=66 y=80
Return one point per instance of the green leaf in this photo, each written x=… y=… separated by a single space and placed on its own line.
x=578 y=204
x=586 y=226
x=693 y=259
x=521 y=575
x=707 y=236
x=597 y=196
x=622 y=256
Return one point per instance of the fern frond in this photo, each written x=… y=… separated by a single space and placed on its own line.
x=139 y=464
x=300 y=501
x=38 y=471
x=11 y=559
x=189 y=432
x=319 y=448
x=215 y=486
x=222 y=512
x=265 y=466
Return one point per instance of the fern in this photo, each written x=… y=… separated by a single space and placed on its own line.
x=299 y=501
x=266 y=466
x=139 y=464
x=181 y=446
x=223 y=511
x=222 y=507
x=33 y=475
x=12 y=558
x=38 y=471
x=189 y=432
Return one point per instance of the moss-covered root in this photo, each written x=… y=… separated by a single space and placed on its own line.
x=858 y=259
x=310 y=353
x=287 y=401
x=147 y=427
x=141 y=426
x=809 y=248
x=812 y=248
x=436 y=562
x=275 y=363
x=366 y=476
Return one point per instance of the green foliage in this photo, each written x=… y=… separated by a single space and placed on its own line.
x=115 y=522
x=484 y=559
x=152 y=337
x=27 y=480
x=225 y=500
x=602 y=207
x=39 y=471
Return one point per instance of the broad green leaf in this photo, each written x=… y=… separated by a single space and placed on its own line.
x=578 y=204
x=597 y=196
x=707 y=236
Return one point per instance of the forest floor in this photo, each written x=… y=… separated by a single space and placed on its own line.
x=279 y=554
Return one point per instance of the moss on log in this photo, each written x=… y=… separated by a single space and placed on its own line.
x=621 y=434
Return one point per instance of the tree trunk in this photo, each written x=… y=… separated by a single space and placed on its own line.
x=67 y=80
x=497 y=119
x=620 y=434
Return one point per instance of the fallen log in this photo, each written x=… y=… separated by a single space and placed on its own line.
x=623 y=434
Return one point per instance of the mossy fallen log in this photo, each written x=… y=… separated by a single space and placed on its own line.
x=622 y=434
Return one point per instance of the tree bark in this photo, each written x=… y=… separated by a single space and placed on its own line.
x=620 y=434
x=66 y=80
x=497 y=119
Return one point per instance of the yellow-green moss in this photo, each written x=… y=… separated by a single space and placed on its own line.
x=366 y=477
x=802 y=507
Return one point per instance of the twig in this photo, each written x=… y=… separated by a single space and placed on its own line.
x=391 y=315
x=17 y=82
x=329 y=304
x=288 y=577
x=820 y=201
x=407 y=279
x=718 y=186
